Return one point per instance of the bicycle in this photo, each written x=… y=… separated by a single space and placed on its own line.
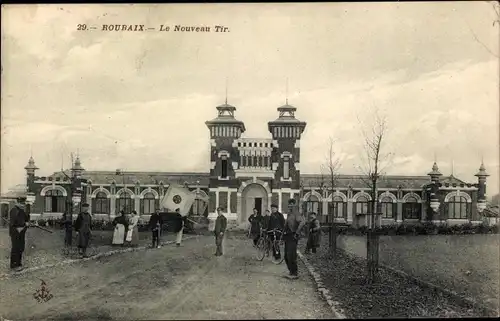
x=265 y=245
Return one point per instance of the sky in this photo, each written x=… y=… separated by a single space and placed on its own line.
x=139 y=100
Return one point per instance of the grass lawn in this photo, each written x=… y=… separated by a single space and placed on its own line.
x=467 y=264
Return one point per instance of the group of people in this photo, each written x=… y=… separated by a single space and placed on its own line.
x=126 y=231
x=290 y=228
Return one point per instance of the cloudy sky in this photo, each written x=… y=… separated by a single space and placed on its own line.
x=139 y=100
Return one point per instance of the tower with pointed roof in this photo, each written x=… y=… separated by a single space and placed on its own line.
x=30 y=174
x=224 y=130
x=481 y=178
x=286 y=132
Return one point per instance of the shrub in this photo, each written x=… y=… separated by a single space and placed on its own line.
x=41 y=222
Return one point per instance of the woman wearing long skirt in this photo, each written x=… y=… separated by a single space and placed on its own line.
x=120 y=224
x=133 y=231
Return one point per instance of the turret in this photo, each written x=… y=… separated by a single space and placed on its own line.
x=77 y=169
x=435 y=174
x=224 y=130
x=481 y=178
x=30 y=177
x=286 y=131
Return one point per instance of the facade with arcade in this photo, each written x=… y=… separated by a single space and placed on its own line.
x=248 y=173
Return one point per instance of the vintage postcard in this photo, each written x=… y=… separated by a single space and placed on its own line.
x=250 y=161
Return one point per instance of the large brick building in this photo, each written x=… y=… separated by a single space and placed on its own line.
x=248 y=173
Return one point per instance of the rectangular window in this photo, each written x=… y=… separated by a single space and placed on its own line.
x=224 y=167
x=411 y=211
x=387 y=211
x=286 y=167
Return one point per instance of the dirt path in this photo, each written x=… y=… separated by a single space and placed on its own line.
x=169 y=283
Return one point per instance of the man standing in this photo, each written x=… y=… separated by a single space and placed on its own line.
x=276 y=221
x=83 y=228
x=155 y=223
x=293 y=225
x=19 y=221
x=220 y=229
x=179 y=228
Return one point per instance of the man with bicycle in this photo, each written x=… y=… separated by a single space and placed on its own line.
x=276 y=222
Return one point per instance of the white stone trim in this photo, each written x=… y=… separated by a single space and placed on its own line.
x=457 y=193
x=235 y=165
x=223 y=153
x=357 y=195
x=149 y=190
x=297 y=166
x=125 y=189
x=297 y=143
x=220 y=178
x=339 y=194
x=286 y=154
x=212 y=165
x=253 y=173
x=275 y=144
x=457 y=188
x=53 y=187
x=222 y=189
x=275 y=166
x=285 y=179
x=305 y=198
x=213 y=143
x=101 y=189
x=411 y=194
x=388 y=194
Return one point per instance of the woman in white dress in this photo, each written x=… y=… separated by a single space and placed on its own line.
x=120 y=223
x=133 y=231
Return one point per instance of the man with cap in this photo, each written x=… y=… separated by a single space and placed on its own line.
x=155 y=224
x=276 y=221
x=83 y=227
x=19 y=222
x=219 y=231
x=293 y=225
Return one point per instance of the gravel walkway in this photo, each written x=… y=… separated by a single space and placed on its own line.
x=168 y=283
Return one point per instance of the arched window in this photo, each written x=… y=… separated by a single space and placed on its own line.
x=458 y=207
x=362 y=205
x=125 y=203
x=314 y=205
x=148 y=205
x=338 y=207
x=101 y=204
x=411 y=209
x=55 y=202
x=387 y=207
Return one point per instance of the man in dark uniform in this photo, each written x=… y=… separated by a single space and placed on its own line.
x=83 y=227
x=19 y=222
x=220 y=229
x=276 y=221
x=155 y=224
x=293 y=225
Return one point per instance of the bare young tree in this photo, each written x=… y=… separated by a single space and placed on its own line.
x=331 y=167
x=375 y=160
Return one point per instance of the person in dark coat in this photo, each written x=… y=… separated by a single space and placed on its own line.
x=276 y=221
x=155 y=224
x=83 y=228
x=219 y=231
x=18 y=224
x=255 y=220
x=293 y=226
x=265 y=220
x=67 y=224
x=314 y=237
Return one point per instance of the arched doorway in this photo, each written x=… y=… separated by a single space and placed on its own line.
x=253 y=196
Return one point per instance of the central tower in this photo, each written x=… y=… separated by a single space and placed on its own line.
x=286 y=132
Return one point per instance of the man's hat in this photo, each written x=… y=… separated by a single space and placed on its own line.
x=21 y=199
x=85 y=205
x=274 y=205
x=292 y=202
